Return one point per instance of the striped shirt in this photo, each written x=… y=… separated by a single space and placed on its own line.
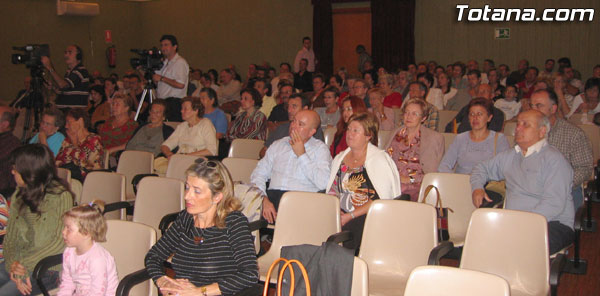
x=76 y=93
x=210 y=255
x=254 y=126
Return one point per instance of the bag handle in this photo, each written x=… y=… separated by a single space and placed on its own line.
x=292 y=277
x=438 y=203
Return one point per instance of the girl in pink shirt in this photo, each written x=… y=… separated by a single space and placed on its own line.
x=88 y=268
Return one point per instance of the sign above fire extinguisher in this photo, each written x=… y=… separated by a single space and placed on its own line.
x=108 y=36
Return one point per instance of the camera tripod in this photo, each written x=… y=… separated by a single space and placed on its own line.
x=148 y=91
x=33 y=102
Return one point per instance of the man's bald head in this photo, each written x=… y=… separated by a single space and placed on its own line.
x=532 y=126
x=305 y=124
x=313 y=117
x=485 y=91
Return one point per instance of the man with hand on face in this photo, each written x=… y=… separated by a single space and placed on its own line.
x=538 y=178
x=298 y=162
x=73 y=87
x=172 y=79
x=52 y=121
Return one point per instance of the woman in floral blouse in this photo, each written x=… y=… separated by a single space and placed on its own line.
x=81 y=150
x=249 y=122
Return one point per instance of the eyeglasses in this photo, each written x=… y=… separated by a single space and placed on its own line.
x=414 y=114
x=206 y=162
x=478 y=114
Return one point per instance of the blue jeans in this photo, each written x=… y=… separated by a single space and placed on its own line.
x=577 y=194
x=9 y=288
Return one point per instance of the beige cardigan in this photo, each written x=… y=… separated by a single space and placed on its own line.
x=431 y=150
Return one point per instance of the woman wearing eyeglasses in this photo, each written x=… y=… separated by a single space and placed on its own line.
x=214 y=252
x=360 y=174
x=415 y=149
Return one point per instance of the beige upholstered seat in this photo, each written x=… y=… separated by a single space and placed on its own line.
x=132 y=163
x=172 y=124
x=577 y=118
x=240 y=169
x=157 y=197
x=64 y=174
x=178 y=164
x=593 y=134
x=519 y=243
x=511 y=140
x=443 y=280
x=384 y=138
x=106 y=186
x=302 y=218
x=329 y=133
x=128 y=242
x=448 y=139
x=509 y=128
x=455 y=192
x=445 y=117
x=246 y=148
x=398 y=236
x=360 y=278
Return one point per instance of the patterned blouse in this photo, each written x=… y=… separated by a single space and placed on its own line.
x=115 y=136
x=355 y=188
x=88 y=156
x=251 y=127
x=406 y=157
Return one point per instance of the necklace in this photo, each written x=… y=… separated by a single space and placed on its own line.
x=199 y=239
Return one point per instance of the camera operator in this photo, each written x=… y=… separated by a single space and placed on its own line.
x=73 y=88
x=171 y=81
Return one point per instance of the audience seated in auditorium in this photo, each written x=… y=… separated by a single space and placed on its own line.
x=208 y=98
x=444 y=84
x=518 y=75
x=115 y=133
x=279 y=114
x=98 y=106
x=401 y=85
x=52 y=121
x=587 y=101
x=195 y=136
x=350 y=106
x=538 y=178
x=249 y=122
x=509 y=103
x=264 y=89
x=360 y=174
x=526 y=86
x=392 y=99
x=458 y=71
x=418 y=90
x=464 y=95
x=303 y=77
x=295 y=163
x=434 y=95
x=548 y=72
x=330 y=113
x=384 y=115
x=150 y=136
x=81 y=150
x=210 y=239
x=416 y=149
x=316 y=95
x=229 y=91
x=360 y=89
x=462 y=118
x=503 y=72
x=568 y=139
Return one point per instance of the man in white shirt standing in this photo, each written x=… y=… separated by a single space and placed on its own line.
x=305 y=52
x=172 y=79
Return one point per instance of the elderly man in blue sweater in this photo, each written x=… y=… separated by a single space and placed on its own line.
x=538 y=178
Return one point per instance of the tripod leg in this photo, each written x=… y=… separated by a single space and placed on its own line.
x=137 y=113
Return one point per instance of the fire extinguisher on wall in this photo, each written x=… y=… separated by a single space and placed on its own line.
x=111 y=56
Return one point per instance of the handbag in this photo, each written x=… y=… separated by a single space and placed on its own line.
x=442 y=213
x=287 y=264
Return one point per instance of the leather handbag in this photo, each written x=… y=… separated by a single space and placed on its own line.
x=287 y=263
x=442 y=213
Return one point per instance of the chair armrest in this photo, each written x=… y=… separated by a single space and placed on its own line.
x=166 y=221
x=439 y=251
x=130 y=280
x=111 y=207
x=42 y=266
x=403 y=196
x=556 y=267
x=258 y=224
x=340 y=237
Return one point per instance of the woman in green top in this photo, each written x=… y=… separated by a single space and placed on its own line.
x=34 y=225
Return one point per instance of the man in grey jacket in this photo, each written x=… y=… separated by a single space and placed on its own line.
x=538 y=178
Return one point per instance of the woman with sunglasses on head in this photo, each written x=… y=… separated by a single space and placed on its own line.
x=211 y=240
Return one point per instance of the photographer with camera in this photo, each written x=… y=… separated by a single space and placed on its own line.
x=172 y=79
x=73 y=88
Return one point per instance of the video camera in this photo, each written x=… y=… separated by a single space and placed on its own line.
x=150 y=59
x=31 y=56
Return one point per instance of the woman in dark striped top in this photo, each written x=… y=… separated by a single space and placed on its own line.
x=214 y=253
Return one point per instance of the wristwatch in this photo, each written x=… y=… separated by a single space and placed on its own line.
x=412 y=179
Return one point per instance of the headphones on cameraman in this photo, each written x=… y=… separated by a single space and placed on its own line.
x=79 y=55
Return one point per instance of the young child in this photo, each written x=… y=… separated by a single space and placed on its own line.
x=88 y=268
x=509 y=104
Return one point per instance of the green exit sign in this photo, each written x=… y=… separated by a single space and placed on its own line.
x=502 y=33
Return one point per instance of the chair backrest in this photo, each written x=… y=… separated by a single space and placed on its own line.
x=509 y=128
x=397 y=237
x=329 y=133
x=106 y=186
x=128 y=242
x=246 y=148
x=448 y=139
x=593 y=134
x=443 y=280
x=445 y=117
x=577 y=118
x=172 y=124
x=360 y=278
x=132 y=163
x=64 y=174
x=157 y=197
x=510 y=244
x=178 y=164
x=240 y=169
x=106 y=160
x=383 y=138
x=398 y=117
x=455 y=192
x=297 y=222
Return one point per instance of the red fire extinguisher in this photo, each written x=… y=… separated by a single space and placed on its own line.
x=111 y=56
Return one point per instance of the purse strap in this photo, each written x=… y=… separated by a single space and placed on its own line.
x=438 y=203
x=292 y=279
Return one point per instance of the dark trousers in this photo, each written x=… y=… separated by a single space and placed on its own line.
x=274 y=196
x=559 y=236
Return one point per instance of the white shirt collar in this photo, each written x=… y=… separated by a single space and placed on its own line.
x=533 y=148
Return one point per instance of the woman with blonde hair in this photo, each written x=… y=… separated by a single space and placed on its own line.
x=211 y=240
